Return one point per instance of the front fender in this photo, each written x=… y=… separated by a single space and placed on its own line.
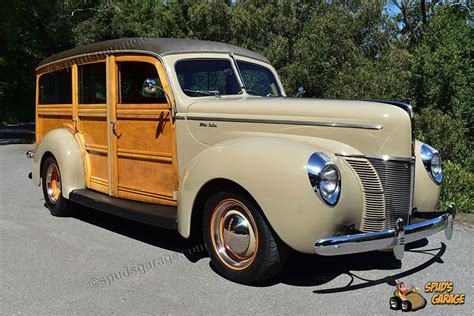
x=273 y=171
x=62 y=144
x=427 y=192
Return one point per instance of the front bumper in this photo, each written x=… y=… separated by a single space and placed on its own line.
x=390 y=238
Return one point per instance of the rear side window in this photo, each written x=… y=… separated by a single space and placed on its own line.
x=92 y=84
x=55 y=88
x=202 y=77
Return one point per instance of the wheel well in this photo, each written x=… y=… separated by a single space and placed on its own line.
x=204 y=194
x=45 y=155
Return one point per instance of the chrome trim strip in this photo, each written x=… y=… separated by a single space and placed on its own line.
x=381 y=157
x=396 y=238
x=284 y=122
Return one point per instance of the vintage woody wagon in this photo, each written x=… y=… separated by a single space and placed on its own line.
x=200 y=137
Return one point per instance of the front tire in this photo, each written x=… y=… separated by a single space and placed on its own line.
x=241 y=244
x=51 y=181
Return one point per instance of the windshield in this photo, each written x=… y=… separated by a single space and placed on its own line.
x=204 y=77
x=258 y=80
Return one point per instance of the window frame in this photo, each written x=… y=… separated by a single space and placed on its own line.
x=38 y=92
x=129 y=59
x=78 y=87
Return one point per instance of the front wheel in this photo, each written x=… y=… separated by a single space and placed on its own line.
x=51 y=180
x=241 y=244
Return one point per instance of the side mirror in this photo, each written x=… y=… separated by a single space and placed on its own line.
x=150 y=86
x=300 y=92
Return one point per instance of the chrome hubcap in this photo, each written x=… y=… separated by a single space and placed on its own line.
x=53 y=183
x=234 y=234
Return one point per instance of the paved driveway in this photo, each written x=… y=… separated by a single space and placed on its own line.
x=98 y=263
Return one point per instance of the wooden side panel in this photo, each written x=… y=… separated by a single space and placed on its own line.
x=49 y=121
x=145 y=170
x=93 y=130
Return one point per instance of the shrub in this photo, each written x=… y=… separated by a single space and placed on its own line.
x=447 y=134
x=457 y=188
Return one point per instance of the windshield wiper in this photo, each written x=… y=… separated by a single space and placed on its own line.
x=205 y=92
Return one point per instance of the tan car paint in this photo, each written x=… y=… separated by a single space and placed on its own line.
x=200 y=153
x=426 y=190
x=273 y=171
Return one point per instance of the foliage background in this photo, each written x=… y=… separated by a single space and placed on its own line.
x=420 y=52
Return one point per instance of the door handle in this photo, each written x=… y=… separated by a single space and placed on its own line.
x=114 y=127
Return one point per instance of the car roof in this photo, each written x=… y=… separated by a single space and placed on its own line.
x=153 y=46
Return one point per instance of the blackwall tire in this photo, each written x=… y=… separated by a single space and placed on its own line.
x=52 y=191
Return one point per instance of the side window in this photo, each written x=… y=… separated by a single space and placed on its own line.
x=92 y=84
x=201 y=77
x=133 y=78
x=55 y=88
x=258 y=80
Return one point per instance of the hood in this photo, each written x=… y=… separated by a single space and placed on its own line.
x=372 y=128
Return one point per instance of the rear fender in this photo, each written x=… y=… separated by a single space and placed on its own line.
x=62 y=145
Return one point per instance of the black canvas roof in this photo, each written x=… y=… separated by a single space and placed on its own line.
x=160 y=46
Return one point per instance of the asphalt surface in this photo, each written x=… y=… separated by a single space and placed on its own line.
x=86 y=264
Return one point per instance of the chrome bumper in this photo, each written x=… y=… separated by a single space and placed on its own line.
x=390 y=238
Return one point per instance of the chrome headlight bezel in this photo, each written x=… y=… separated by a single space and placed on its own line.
x=432 y=162
x=321 y=168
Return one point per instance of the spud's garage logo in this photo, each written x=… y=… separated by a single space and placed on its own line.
x=443 y=293
x=407 y=299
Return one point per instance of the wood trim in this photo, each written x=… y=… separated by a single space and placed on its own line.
x=142 y=106
x=137 y=58
x=85 y=157
x=98 y=184
x=54 y=109
x=166 y=197
x=102 y=149
x=143 y=114
x=174 y=149
x=75 y=98
x=100 y=181
x=113 y=95
x=145 y=155
x=38 y=125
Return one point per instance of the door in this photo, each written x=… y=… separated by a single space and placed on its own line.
x=143 y=141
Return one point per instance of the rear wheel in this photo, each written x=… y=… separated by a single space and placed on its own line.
x=51 y=180
x=241 y=245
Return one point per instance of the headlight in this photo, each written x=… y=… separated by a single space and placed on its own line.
x=432 y=162
x=325 y=178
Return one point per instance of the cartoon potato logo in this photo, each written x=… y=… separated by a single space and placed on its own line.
x=407 y=299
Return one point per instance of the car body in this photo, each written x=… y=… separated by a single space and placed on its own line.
x=158 y=130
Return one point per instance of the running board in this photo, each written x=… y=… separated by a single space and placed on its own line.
x=162 y=216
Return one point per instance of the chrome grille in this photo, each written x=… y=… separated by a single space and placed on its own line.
x=387 y=191
x=396 y=178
